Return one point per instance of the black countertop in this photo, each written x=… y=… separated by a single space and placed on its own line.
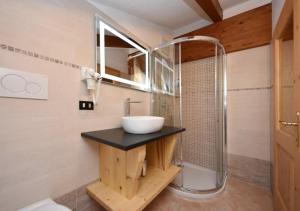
x=125 y=141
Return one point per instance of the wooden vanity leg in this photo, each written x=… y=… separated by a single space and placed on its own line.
x=121 y=169
x=169 y=147
x=112 y=167
x=135 y=160
x=160 y=152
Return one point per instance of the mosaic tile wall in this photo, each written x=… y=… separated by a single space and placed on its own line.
x=198 y=100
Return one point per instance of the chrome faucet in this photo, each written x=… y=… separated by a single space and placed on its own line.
x=127 y=106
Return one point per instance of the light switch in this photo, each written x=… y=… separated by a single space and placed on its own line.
x=86 y=105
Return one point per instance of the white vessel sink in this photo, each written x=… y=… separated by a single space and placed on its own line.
x=142 y=124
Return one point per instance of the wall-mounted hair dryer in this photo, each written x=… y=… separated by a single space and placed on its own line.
x=93 y=80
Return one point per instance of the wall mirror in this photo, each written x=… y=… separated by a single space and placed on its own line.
x=120 y=59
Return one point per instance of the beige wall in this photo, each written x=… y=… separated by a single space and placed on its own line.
x=42 y=154
x=249 y=81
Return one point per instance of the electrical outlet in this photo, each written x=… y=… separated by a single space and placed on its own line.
x=86 y=105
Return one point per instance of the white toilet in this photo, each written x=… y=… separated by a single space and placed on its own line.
x=45 y=205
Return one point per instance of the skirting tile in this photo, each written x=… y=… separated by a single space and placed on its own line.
x=250 y=169
x=79 y=200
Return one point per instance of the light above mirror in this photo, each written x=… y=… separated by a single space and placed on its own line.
x=121 y=60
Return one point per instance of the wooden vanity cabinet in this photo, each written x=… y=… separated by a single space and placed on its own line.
x=121 y=186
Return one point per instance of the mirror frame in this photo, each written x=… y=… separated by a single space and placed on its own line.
x=100 y=26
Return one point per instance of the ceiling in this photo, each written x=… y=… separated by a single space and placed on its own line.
x=225 y=4
x=172 y=14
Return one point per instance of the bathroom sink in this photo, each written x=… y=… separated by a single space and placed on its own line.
x=142 y=124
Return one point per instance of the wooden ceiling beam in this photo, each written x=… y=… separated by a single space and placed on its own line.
x=246 y=30
x=212 y=8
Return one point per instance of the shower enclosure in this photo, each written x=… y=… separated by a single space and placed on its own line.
x=189 y=90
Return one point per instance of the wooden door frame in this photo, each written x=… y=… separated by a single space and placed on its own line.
x=296 y=19
x=290 y=11
x=284 y=17
x=283 y=20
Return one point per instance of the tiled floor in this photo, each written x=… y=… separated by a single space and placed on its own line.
x=237 y=196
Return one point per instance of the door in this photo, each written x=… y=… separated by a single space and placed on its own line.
x=286 y=40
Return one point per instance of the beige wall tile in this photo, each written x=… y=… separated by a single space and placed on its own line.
x=249 y=102
x=249 y=68
x=248 y=123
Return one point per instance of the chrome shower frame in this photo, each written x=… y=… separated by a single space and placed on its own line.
x=217 y=44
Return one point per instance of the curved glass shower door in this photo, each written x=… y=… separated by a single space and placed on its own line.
x=189 y=90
